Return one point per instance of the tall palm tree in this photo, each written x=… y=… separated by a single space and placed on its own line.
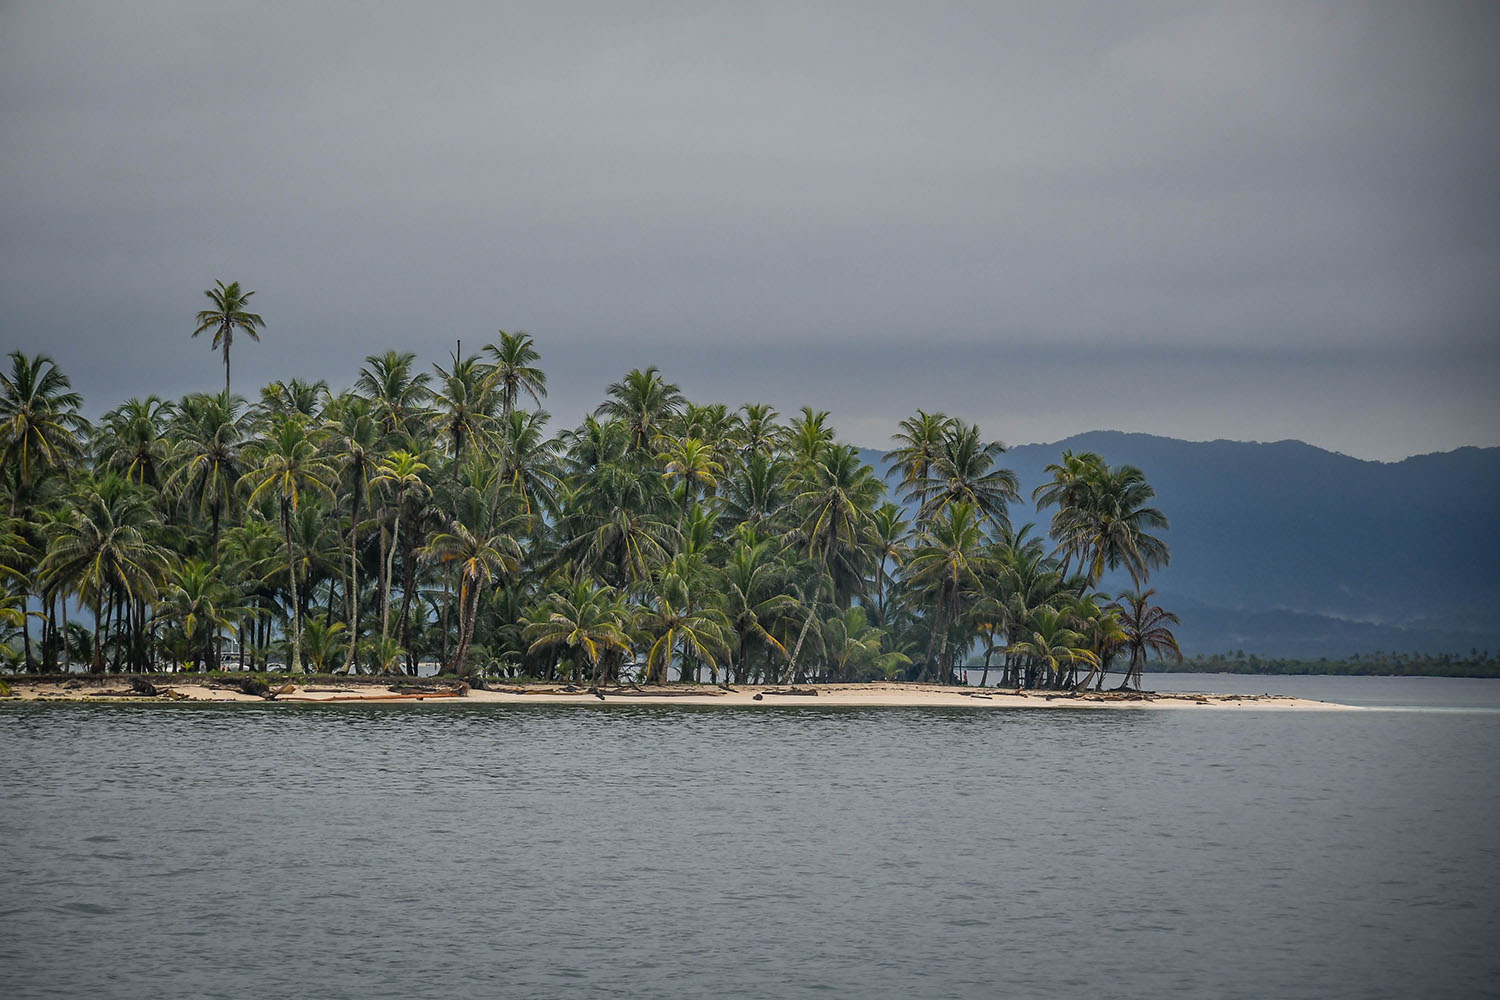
x=290 y=467
x=528 y=461
x=889 y=537
x=758 y=430
x=355 y=435
x=1147 y=628
x=513 y=371
x=229 y=313
x=400 y=474
x=39 y=420
x=464 y=405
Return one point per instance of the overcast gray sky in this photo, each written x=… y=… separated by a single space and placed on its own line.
x=1245 y=220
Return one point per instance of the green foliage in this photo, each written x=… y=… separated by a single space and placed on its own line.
x=434 y=518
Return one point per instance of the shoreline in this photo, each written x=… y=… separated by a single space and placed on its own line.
x=384 y=690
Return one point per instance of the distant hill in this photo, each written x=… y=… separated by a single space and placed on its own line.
x=1289 y=550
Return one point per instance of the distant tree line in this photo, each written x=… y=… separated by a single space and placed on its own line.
x=1476 y=663
x=431 y=515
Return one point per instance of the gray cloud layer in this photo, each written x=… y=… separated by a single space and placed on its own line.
x=1244 y=220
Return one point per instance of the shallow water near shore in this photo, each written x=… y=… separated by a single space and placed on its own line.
x=458 y=851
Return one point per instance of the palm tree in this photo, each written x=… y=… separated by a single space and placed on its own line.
x=838 y=493
x=1147 y=628
x=200 y=604
x=528 y=461
x=39 y=420
x=964 y=470
x=1054 y=646
x=135 y=442
x=700 y=633
x=691 y=463
x=948 y=565
x=758 y=430
x=401 y=475
x=513 y=371
x=920 y=438
x=296 y=398
x=889 y=535
x=755 y=487
x=752 y=598
x=587 y=619
x=102 y=552
x=482 y=557
x=208 y=460
x=400 y=396
x=356 y=435
x=1102 y=517
x=290 y=467
x=464 y=405
x=644 y=401
x=228 y=314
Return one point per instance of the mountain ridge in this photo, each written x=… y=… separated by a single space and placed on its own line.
x=1285 y=548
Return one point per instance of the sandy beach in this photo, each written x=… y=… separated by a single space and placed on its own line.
x=387 y=691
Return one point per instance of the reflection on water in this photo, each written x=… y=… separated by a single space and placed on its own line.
x=456 y=851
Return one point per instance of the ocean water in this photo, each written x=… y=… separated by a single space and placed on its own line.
x=616 y=851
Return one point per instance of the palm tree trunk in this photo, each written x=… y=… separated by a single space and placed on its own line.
x=390 y=567
x=352 y=664
x=295 y=665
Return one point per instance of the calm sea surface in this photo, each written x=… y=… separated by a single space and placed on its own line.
x=479 y=851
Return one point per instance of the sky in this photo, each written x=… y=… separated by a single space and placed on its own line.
x=1252 y=221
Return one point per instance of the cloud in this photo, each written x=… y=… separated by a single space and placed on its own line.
x=718 y=180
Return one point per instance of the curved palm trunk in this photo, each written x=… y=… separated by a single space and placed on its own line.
x=793 y=676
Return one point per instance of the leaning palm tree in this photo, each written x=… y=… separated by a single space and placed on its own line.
x=1147 y=628
x=290 y=468
x=513 y=370
x=229 y=313
x=947 y=568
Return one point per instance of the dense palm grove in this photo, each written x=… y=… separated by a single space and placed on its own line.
x=431 y=516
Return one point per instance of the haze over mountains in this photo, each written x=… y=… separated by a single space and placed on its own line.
x=1285 y=549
